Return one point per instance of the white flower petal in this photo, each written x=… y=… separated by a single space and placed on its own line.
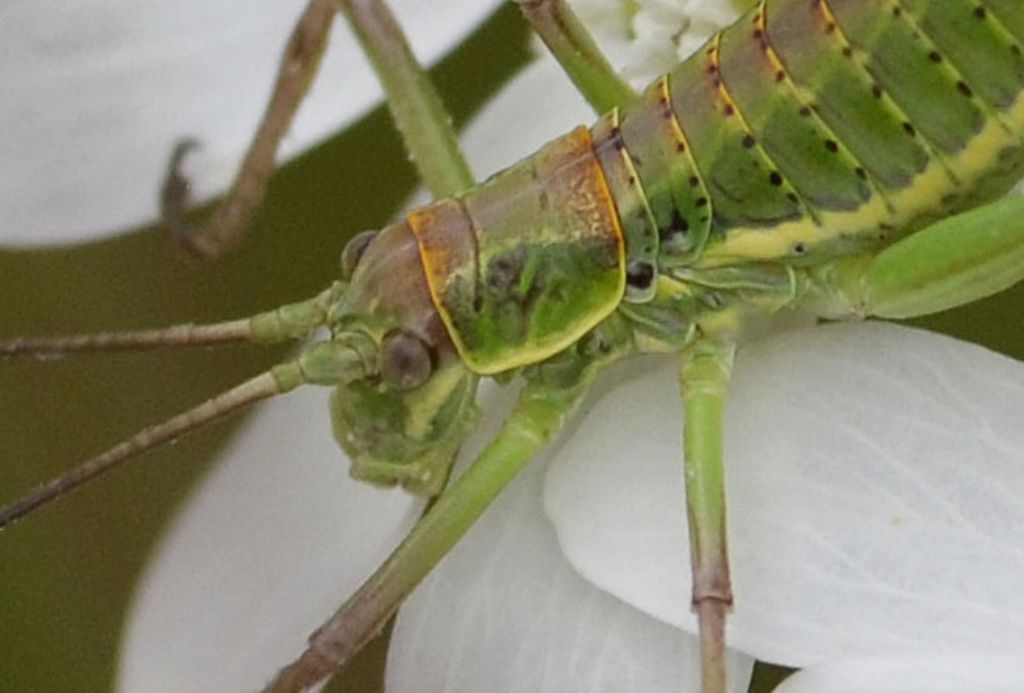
x=273 y=542
x=921 y=674
x=94 y=95
x=505 y=612
x=658 y=35
x=876 y=499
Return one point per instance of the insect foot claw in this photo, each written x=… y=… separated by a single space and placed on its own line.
x=174 y=204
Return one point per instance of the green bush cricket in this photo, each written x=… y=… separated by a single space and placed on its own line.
x=739 y=184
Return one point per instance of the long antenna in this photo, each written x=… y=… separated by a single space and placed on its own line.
x=276 y=381
x=290 y=321
x=345 y=358
x=174 y=336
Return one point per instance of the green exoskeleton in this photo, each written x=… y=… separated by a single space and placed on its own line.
x=845 y=157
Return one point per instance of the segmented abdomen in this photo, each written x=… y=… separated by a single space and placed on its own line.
x=819 y=127
x=807 y=129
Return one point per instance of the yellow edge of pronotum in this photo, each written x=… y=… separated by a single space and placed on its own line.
x=538 y=351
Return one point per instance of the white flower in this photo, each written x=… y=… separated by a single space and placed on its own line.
x=874 y=504
x=95 y=93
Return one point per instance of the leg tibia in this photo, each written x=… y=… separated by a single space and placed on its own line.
x=415 y=105
x=536 y=418
x=704 y=376
x=552 y=393
x=576 y=52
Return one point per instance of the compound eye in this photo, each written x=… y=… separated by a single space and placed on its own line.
x=354 y=251
x=405 y=361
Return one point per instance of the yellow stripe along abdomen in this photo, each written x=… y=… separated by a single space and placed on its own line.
x=806 y=130
x=812 y=129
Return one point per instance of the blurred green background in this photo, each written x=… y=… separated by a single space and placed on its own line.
x=67 y=574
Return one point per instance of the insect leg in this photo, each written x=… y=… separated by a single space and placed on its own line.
x=958 y=260
x=415 y=104
x=704 y=376
x=227 y=225
x=551 y=394
x=539 y=414
x=575 y=49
